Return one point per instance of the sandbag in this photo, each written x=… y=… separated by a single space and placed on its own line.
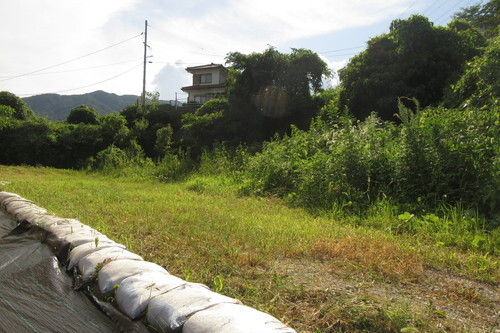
x=70 y=227
x=45 y=221
x=229 y=318
x=13 y=205
x=115 y=272
x=30 y=214
x=9 y=200
x=77 y=239
x=6 y=195
x=134 y=293
x=85 y=249
x=166 y=310
x=87 y=265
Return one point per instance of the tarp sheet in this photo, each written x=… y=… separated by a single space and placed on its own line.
x=35 y=291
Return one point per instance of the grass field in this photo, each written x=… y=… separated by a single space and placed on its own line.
x=315 y=273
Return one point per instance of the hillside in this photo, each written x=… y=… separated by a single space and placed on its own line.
x=57 y=107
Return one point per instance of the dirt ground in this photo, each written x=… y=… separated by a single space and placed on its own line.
x=446 y=302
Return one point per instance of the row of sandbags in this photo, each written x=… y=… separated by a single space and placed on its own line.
x=143 y=289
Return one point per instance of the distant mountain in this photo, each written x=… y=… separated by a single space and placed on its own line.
x=57 y=107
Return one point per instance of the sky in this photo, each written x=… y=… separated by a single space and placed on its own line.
x=74 y=47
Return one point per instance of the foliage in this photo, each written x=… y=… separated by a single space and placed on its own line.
x=484 y=17
x=435 y=156
x=57 y=107
x=114 y=130
x=83 y=114
x=206 y=126
x=110 y=158
x=22 y=111
x=414 y=60
x=269 y=91
x=478 y=86
x=163 y=140
x=203 y=235
x=6 y=111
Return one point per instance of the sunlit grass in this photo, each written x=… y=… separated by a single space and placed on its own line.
x=202 y=230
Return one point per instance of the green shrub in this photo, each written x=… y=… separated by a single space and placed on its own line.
x=436 y=156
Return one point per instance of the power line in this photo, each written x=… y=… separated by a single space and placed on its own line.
x=79 y=69
x=340 y=55
x=68 y=61
x=339 y=50
x=407 y=9
x=448 y=11
x=92 y=84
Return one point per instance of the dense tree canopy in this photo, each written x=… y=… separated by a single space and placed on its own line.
x=485 y=18
x=21 y=110
x=268 y=91
x=415 y=60
x=83 y=114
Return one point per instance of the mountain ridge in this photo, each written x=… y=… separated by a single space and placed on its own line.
x=57 y=107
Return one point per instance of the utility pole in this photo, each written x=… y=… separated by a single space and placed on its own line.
x=143 y=97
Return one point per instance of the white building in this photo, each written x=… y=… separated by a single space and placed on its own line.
x=208 y=83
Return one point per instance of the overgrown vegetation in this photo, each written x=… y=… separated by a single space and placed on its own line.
x=389 y=193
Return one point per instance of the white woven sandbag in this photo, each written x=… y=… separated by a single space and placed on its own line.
x=166 y=311
x=134 y=293
x=6 y=195
x=115 y=272
x=230 y=318
x=14 y=206
x=77 y=239
x=45 y=221
x=72 y=227
x=13 y=199
x=106 y=255
x=85 y=249
x=30 y=214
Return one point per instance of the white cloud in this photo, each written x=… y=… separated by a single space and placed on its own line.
x=169 y=80
x=40 y=33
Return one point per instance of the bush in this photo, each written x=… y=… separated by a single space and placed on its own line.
x=83 y=114
x=21 y=110
x=6 y=111
x=436 y=156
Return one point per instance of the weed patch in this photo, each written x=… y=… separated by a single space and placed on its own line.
x=375 y=255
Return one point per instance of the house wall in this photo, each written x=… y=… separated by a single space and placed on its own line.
x=218 y=76
x=204 y=95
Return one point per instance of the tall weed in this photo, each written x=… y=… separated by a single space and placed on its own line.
x=434 y=157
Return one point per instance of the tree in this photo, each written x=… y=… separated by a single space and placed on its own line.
x=163 y=140
x=485 y=18
x=83 y=114
x=479 y=85
x=114 y=129
x=414 y=60
x=269 y=91
x=6 y=111
x=22 y=111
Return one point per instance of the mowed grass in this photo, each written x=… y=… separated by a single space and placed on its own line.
x=203 y=231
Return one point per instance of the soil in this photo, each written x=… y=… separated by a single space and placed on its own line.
x=445 y=302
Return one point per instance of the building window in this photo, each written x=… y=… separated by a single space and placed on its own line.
x=206 y=78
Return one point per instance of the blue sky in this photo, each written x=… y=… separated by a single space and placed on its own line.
x=74 y=47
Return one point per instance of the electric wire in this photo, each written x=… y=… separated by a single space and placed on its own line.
x=407 y=9
x=92 y=84
x=464 y=6
x=339 y=50
x=80 y=69
x=71 y=60
x=447 y=12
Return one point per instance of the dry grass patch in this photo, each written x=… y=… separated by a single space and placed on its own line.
x=376 y=255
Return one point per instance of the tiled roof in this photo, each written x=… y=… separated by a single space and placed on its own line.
x=204 y=86
x=202 y=67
